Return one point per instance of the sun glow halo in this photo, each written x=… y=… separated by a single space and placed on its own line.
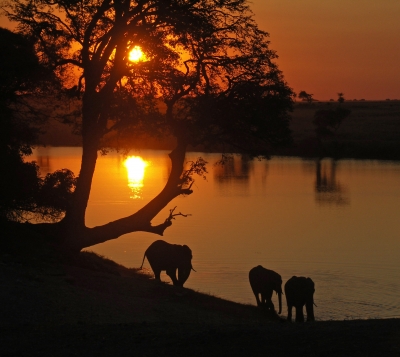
x=136 y=54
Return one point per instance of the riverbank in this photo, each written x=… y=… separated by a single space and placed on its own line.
x=88 y=305
x=371 y=131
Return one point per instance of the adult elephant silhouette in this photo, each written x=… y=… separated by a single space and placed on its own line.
x=169 y=257
x=299 y=292
x=264 y=282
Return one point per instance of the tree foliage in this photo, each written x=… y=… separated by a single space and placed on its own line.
x=306 y=97
x=208 y=77
x=328 y=121
x=23 y=193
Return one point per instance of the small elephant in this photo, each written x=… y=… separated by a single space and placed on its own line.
x=169 y=257
x=299 y=292
x=264 y=282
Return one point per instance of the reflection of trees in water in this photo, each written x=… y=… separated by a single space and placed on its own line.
x=327 y=188
x=43 y=160
x=234 y=169
x=233 y=176
x=44 y=163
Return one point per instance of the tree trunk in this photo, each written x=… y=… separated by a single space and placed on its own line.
x=78 y=236
x=76 y=214
x=72 y=233
x=73 y=227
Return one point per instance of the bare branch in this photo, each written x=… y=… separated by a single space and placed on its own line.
x=159 y=229
x=172 y=215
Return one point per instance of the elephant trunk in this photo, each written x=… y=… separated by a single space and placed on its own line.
x=280 y=302
x=310 y=311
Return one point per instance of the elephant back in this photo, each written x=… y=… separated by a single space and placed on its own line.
x=260 y=276
x=160 y=252
x=299 y=287
x=165 y=255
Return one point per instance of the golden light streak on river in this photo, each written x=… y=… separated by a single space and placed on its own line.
x=135 y=167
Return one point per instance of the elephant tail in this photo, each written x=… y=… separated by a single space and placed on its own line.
x=144 y=256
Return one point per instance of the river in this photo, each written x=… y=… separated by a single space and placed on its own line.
x=337 y=222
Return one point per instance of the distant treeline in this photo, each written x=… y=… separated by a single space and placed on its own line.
x=371 y=131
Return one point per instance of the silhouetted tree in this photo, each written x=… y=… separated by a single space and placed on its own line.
x=340 y=98
x=327 y=188
x=305 y=97
x=208 y=78
x=327 y=122
x=22 y=191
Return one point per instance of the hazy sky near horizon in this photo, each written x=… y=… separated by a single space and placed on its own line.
x=326 y=47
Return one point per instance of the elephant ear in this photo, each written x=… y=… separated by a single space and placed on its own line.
x=187 y=251
x=273 y=278
x=277 y=278
x=310 y=283
x=182 y=253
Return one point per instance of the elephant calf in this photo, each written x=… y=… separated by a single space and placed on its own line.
x=169 y=257
x=299 y=292
x=264 y=282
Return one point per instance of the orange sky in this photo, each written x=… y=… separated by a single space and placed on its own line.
x=326 y=46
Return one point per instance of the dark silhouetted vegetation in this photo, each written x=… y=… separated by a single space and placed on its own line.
x=371 y=131
x=208 y=78
x=305 y=97
x=23 y=79
x=328 y=121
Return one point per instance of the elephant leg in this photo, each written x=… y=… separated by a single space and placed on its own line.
x=289 y=312
x=299 y=313
x=310 y=311
x=172 y=274
x=270 y=305
x=267 y=300
x=156 y=270
x=259 y=303
x=157 y=274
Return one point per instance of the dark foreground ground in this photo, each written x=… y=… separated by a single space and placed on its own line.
x=90 y=306
x=356 y=338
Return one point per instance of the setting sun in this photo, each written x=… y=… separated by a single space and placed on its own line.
x=135 y=166
x=136 y=54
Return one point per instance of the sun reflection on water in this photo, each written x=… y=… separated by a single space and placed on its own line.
x=136 y=167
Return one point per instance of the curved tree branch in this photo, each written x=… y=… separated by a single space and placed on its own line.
x=141 y=220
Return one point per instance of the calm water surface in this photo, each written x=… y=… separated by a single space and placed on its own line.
x=336 y=222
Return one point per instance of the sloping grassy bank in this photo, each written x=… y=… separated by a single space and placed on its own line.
x=87 y=305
